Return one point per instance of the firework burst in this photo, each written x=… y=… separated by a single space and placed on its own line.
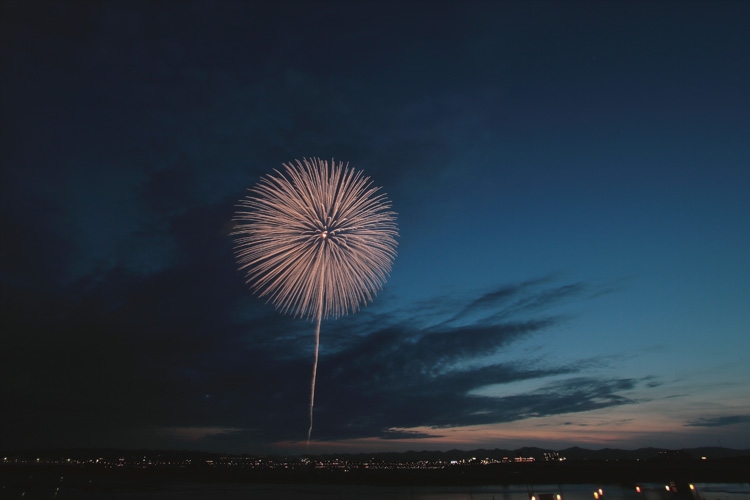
x=315 y=240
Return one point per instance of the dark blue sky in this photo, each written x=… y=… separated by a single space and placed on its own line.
x=571 y=180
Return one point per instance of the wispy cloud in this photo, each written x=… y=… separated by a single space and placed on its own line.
x=720 y=421
x=405 y=376
x=405 y=434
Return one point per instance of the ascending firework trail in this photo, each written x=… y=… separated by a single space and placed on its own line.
x=317 y=241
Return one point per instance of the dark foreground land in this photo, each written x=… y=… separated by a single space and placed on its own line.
x=735 y=470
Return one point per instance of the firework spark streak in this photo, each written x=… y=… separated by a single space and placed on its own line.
x=317 y=241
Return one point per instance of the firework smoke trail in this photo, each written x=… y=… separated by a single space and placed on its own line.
x=315 y=363
x=317 y=241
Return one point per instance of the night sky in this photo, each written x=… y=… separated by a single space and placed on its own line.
x=572 y=186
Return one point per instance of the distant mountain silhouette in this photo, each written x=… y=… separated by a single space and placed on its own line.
x=571 y=454
x=574 y=453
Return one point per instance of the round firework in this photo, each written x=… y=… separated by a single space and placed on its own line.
x=315 y=236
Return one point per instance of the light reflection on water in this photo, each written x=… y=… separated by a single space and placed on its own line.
x=232 y=491
x=649 y=491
